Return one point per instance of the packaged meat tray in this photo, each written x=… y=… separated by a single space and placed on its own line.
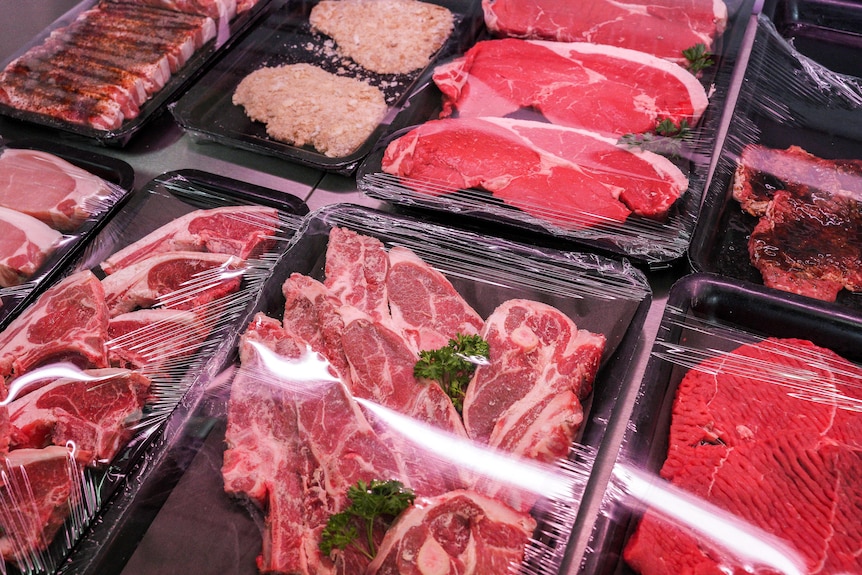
x=106 y=68
x=53 y=199
x=602 y=145
x=131 y=330
x=783 y=205
x=745 y=436
x=389 y=420
x=319 y=82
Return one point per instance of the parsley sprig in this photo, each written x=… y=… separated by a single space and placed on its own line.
x=374 y=503
x=453 y=365
x=667 y=138
x=698 y=58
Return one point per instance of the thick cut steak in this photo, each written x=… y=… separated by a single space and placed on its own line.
x=211 y=8
x=95 y=415
x=242 y=231
x=35 y=499
x=459 y=532
x=770 y=433
x=425 y=306
x=663 y=28
x=605 y=89
x=566 y=176
x=69 y=322
x=51 y=189
x=361 y=286
x=176 y=280
x=154 y=339
x=24 y=246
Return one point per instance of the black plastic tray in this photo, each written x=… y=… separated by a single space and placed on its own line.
x=111 y=170
x=157 y=104
x=705 y=312
x=207 y=112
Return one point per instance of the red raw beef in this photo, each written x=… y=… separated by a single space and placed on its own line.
x=153 y=339
x=176 y=280
x=24 y=245
x=242 y=231
x=362 y=286
x=295 y=446
x=769 y=432
x=565 y=176
x=663 y=28
x=94 y=414
x=605 y=89
x=35 y=493
x=69 y=322
x=51 y=189
x=458 y=532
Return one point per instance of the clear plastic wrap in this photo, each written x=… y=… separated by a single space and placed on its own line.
x=208 y=113
x=577 y=156
x=744 y=437
x=121 y=87
x=782 y=207
x=54 y=199
x=128 y=333
x=240 y=459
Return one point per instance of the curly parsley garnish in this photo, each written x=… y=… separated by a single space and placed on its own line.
x=667 y=138
x=453 y=365
x=373 y=503
x=698 y=58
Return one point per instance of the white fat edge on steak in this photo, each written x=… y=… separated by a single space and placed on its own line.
x=719 y=12
x=38 y=233
x=696 y=92
x=662 y=165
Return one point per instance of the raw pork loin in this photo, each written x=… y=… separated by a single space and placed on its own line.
x=605 y=89
x=781 y=452
x=569 y=177
x=25 y=244
x=663 y=28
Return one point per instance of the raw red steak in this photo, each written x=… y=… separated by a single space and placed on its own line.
x=663 y=28
x=95 y=414
x=24 y=245
x=460 y=532
x=605 y=89
x=51 y=189
x=154 y=339
x=769 y=432
x=569 y=177
x=69 y=322
x=242 y=231
x=425 y=306
x=362 y=286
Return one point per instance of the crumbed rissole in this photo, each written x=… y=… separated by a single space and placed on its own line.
x=384 y=36
x=304 y=105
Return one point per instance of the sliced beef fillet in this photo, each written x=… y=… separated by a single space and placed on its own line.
x=95 y=413
x=808 y=239
x=296 y=442
x=37 y=493
x=605 y=89
x=663 y=28
x=51 y=189
x=459 y=532
x=24 y=246
x=68 y=323
x=361 y=286
x=770 y=433
x=176 y=280
x=242 y=231
x=424 y=305
x=569 y=177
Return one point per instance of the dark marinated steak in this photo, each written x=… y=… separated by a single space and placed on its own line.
x=211 y=8
x=604 y=89
x=768 y=432
x=457 y=532
x=25 y=244
x=808 y=239
x=363 y=287
x=661 y=27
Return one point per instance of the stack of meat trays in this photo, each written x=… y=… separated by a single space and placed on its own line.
x=129 y=333
x=744 y=451
x=347 y=408
x=571 y=122
x=53 y=200
x=784 y=208
x=106 y=68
